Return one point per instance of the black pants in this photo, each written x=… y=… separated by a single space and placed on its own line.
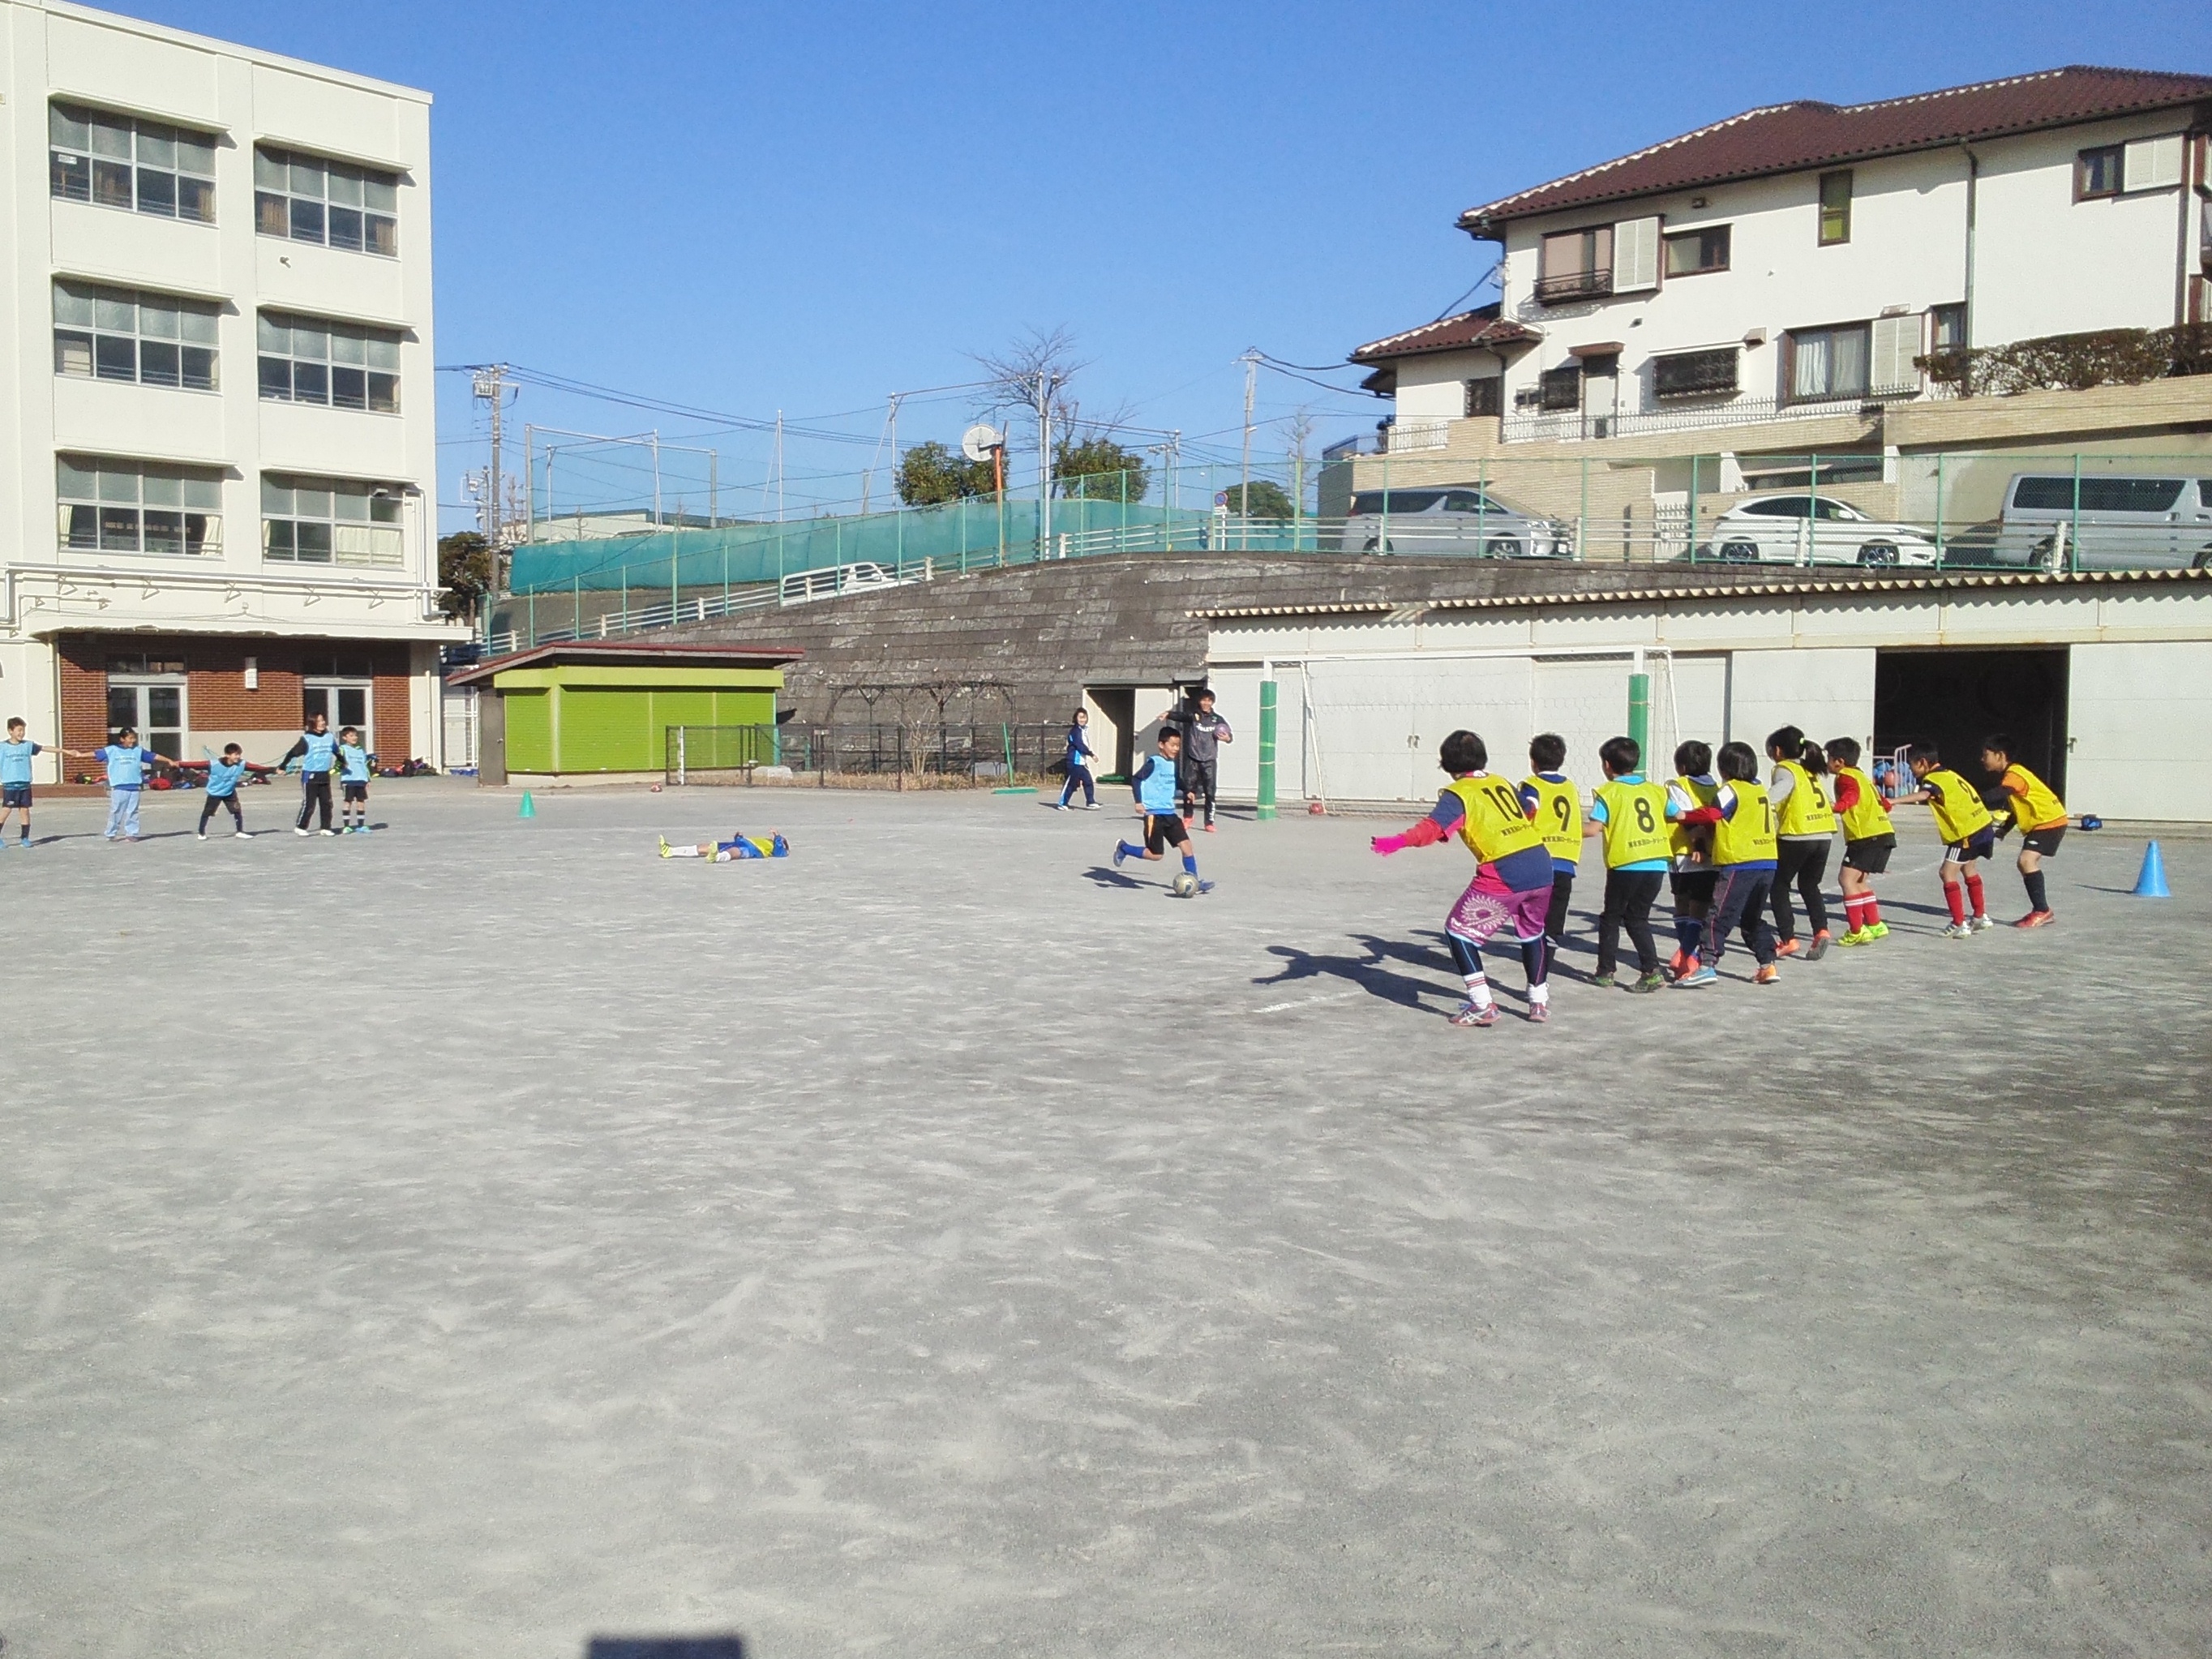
x=208 y=806
x=1200 y=779
x=1739 y=900
x=1806 y=863
x=1629 y=896
x=1079 y=774
x=1555 y=919
x=314 y=788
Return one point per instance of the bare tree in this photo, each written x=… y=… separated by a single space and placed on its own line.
x=1038 y=368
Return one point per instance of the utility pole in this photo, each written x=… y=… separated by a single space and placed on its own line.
x=488 y=382
x=1045 y=381
x=1244 y=487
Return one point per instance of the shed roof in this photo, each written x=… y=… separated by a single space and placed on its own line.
x=1805 y=133
x=611 y=655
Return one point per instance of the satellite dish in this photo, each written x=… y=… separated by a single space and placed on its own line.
x=977 y=442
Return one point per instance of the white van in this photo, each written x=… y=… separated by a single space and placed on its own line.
x=2122 y=521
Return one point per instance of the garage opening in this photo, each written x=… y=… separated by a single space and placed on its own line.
x=1955 y=699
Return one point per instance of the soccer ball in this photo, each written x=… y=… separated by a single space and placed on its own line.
x=1186 y=883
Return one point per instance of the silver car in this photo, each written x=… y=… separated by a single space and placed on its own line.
x=2119 y=521
x=1462 y=518
x=1799 y=528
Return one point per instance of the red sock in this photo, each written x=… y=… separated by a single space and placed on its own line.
x=1955 y=896
x=1853 y=905
x=1873 y=911
x=1974 y=892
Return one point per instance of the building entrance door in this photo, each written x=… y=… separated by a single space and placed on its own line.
x=343 y=703
x=149 y=697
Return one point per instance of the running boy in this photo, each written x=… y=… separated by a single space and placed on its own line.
x=1512 y=880
x=1804 y=830
x=223 y=778
x=739 y=846
x=1744 y=851
x=1631 y=816
x=1969 y=833
x=2037 y=811
x=16 y=755
x=1557 y=806
x=1868 y=840
x=353 y=759
x=1154 y=786
x=1694 y=787
x=126 y=764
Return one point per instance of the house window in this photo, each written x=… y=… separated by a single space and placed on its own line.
x=1690 y=251
x=120 y=161
x=1576 y=263
x=304 y=199
x=307 y=360
x=2097 y=172
x=331 y=521
x=114 y=334
x=1562 y=388
x=1695 y=373
x=1947 y=327
x=1485 y=397
x=1835 y=207
x=1829 y=362
x=131 y=507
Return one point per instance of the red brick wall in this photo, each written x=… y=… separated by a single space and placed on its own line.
x=217 y=701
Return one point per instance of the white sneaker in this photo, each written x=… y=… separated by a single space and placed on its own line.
x=1959 y=930
x=202 y=835
x=1981 y=924
x=322 y=832
x=303 y=832
x=241 y=835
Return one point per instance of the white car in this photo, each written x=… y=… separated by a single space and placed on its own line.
x=1799 y=528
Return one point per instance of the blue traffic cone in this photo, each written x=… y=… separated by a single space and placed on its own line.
x=529 y=806
x=2151 y=884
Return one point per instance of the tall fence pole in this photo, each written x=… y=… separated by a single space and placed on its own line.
x=1266 y=811
x=1639 y=706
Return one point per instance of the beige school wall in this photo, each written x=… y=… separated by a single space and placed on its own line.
x=1364 y=700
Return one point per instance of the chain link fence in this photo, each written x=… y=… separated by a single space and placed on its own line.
x=879 y=755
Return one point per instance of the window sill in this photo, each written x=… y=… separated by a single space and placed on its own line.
x=157 y=218
x=336 y=408
x=290 y=241
x=138 y=386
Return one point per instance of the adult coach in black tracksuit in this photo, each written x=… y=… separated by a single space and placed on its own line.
x=317 y=752
x=1199 y=772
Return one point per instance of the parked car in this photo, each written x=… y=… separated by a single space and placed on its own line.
x=2122 y=521
x=1452 y=519
x=1799 y=528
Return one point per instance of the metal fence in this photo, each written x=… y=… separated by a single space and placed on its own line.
x=978 y=755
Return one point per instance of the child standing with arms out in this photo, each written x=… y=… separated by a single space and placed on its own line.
x=1512 y=884
x=1154 y=786
x=1868 y=840
x=1631 y=817
x=223 y=778
x=2037 y=811
x=1969 y=832
x=126 y=764
x=1804 y=830
x=1079 y=757
x=353 y=761
x=1557 y=807
x=1744 y=853
x=1694 y=787
x=16 y=755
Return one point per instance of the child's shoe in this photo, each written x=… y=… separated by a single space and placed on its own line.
x=1857 y=936
x=1819 y=948
x=1539 y=1012
x=1981 y=924
x=1959 y=930
x=1603 y=982
x=1205 y=887
x=302 y=832
x=1654 y=980
x=1120 y=853
x=1880 y=930
x=241 y=835
x=1698 y=976
x=1769 y=974
x=778 y=846
x=1787 y=947
x=1471 y=1015
x=202 y=834
x=664 y=846
x=1679 y=965
x=2032 y=918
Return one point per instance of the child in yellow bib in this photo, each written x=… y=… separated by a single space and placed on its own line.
x=1742 y=817
x=2037 y=813
x=1805 y=827
x=1630 y=817
x=1969 y=833
x=1555 y=807
x=1512 y=884
x=1693 y=787
x=1869 y=841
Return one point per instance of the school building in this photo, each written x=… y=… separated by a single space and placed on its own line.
x=216 y=437
x=2104 y=679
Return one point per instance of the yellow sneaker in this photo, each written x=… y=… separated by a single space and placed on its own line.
x=1857 y=936
x=664 y=846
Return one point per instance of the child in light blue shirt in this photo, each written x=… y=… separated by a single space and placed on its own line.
x=353 y=763
x=16 y=755
x=126 y=764
x=224 y=777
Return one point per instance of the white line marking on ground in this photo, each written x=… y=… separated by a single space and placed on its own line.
x=1308 y=1002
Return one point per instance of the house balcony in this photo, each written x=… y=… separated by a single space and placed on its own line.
x=1537 y=426
x=1573 y=285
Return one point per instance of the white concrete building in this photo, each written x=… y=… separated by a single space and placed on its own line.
x=1791 y=263
x=218 y=440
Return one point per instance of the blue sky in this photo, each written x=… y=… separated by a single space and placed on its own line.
x=744 y=208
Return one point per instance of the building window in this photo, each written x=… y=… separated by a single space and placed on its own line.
x=2097 y=172
x=304 y=199
x=1561 y=388
x=1835 y=207
x=1829 y=362
x=114 y=334
x=1947 y=327
x=332 y=521
x=131 y=507
x=1485 y=397
x=1695 y=373
x=1690 y=251
x=120 y=161
x=1575 y=264
x=307 y=360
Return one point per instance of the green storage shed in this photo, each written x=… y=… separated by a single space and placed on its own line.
x=593 y=708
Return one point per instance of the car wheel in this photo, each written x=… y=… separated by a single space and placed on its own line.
x=2203 y=560
x=1739 y=552
x=2049 y=557
x=1374 y=545
x=1878 y=555
x=1504 y=547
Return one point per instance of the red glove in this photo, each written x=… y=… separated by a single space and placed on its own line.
x=1387 y=845
x=1701 y=815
